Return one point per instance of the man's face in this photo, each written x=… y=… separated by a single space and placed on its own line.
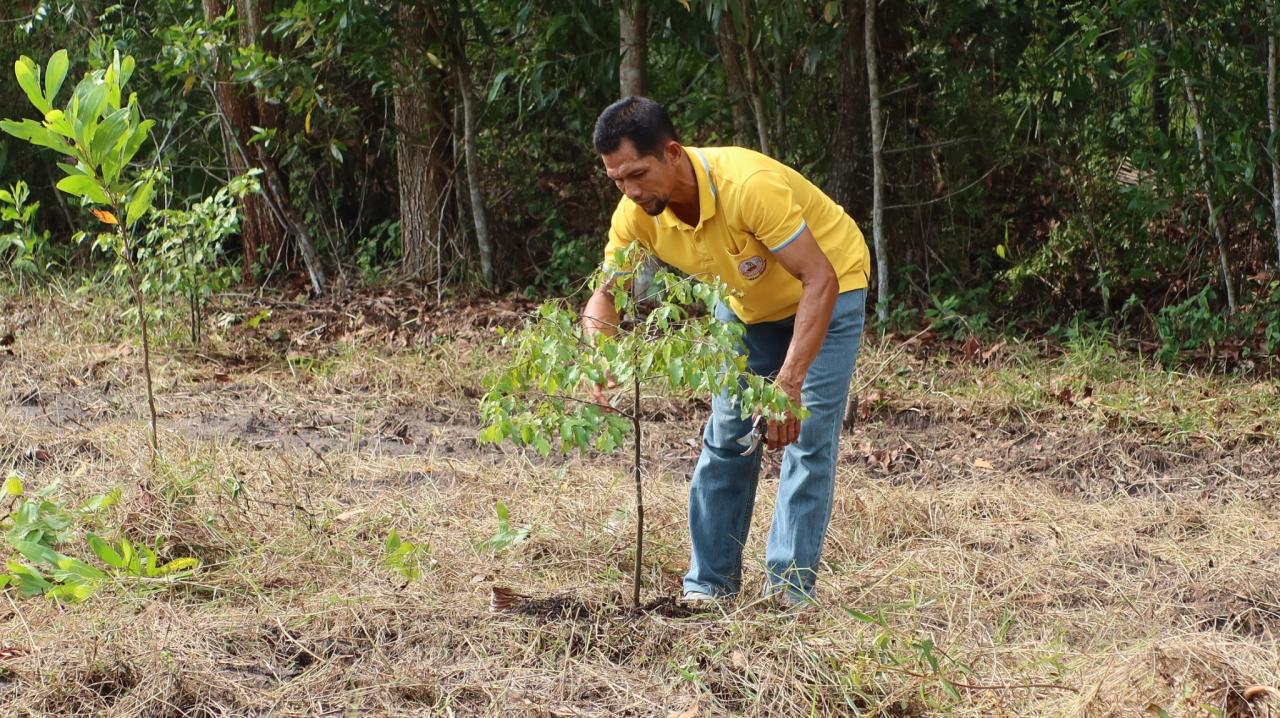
x=647 y=180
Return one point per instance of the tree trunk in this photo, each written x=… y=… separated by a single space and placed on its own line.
x=478 y=213
x=877 y=163
x=754 y=84
x=1160 y=110
x=779 y=103
x=1273 y=119
x=850 y=115
x=727 y=43
x=1219 y=225
x=422 y=144
x=633 y=46
x=261 y=235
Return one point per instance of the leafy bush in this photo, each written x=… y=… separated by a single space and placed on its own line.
x=39 y=526
x=25 y=247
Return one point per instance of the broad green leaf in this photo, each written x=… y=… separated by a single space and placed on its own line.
x=37 y=134
x=126 y=69
x=109 y=134
x=55 y=72
x=101 y=501
x=73 y=591
x=68 y=567
x=37 y=553
x=28 y=74
x=13 y=485
x=139 y=136
x=81 y=186
x=104 y=552
x=393 y=541
x=140 y=203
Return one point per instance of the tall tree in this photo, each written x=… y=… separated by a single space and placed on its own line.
x=479 y=216
x=423 y=140
x=846 y=149
x=633 y=46
x=261 y=233
x=1273 y=119
x=877 y=163
x=754 y=82
x=735 y=80
x=1206 y=167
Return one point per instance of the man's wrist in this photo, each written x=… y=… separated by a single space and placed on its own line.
x=789 y=381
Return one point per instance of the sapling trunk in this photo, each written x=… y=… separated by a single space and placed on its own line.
x=635 y=424
x=139 y=303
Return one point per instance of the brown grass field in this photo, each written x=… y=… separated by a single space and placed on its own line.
x=1024 y=530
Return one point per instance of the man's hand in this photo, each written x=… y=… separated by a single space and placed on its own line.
x=598 y=390
x=787 y=431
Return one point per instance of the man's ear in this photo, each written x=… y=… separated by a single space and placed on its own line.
x=672 y=152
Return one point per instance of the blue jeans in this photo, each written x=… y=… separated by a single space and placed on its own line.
x=723 y=491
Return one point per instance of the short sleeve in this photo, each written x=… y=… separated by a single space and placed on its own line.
x=770 y=210
x=622 y=235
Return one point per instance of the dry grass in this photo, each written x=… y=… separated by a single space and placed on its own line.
x=1110 y=557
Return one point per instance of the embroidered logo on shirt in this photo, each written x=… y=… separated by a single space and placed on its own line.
x=751 y=268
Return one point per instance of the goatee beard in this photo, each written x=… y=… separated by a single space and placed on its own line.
x=658 y=208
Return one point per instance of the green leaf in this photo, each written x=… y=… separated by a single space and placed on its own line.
x=73 y=591
x=37 y=134
x=37 y=553
x=81 y=186
x=176 y=566
x=70 y=568
x=126 y=70
x=13 y=485
x=140 y=203
x=28 y=74
x=104 y=552
x=92 y=100
x=109 y=134
x=949 y=688
x=55 y=72
x=135 y=141
x=101 y=501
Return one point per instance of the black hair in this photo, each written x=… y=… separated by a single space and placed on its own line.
x=635 y=118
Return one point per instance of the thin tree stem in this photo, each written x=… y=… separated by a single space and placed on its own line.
x=877 y=163
x=635 y=423
x=140 y=304
x=1215 y=216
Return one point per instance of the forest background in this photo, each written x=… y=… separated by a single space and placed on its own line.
x=1044 y=165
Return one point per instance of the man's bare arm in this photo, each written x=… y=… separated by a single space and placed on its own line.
x=599 y=315
x=804 y=259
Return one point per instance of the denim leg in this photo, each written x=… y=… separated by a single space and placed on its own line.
x=806 y=489
x=722 y=493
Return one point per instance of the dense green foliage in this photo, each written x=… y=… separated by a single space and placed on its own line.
x=1033 y=149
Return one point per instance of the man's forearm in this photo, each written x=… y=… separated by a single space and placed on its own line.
x=600 y=316
x=813 y=316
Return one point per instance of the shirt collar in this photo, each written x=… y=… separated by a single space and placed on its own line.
x=708 y=194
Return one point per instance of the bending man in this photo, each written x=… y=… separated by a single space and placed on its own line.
x=798 y=266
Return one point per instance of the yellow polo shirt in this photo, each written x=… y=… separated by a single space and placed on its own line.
x=751 y=206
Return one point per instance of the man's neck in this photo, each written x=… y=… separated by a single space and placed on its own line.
x=684 y=200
